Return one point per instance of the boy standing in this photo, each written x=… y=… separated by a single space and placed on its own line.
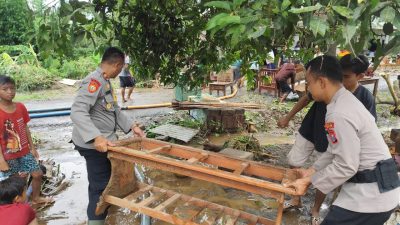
x=18 y=155
x=357 y=157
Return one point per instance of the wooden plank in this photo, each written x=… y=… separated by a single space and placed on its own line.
x=168 y=202
x=151 y=199
x=159 y=149
x=242 y=167
x=137 y=193
x=202 y=157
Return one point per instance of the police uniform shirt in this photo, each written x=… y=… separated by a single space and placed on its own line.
x=355 y=144
x=95 y=112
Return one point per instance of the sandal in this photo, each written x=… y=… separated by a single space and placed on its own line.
x=316 y=220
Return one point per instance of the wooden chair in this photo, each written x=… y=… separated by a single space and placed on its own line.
x=272 y=85
x=224 y=80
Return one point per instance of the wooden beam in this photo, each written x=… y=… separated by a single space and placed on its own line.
x=168 y=202
x=158 y=149
x=138 y=193
x=242 y=167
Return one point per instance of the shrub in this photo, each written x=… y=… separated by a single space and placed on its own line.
x=30 y=78
x=78 y=69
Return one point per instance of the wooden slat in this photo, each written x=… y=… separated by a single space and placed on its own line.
x=168 y=202
x=202 y=157
x=242 y=167
x=151 y=199
x=138 y=193
x=159 y=149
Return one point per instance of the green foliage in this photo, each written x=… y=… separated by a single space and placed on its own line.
x=168 y=37
x=29 y=77
x=324 y=23
x=15 y=21
x=78 y=69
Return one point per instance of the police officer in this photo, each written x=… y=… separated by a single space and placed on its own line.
x=357 y=157
x=96 y=116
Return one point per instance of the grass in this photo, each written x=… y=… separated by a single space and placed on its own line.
x=49 y=94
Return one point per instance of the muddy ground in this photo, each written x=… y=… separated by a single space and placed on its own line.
x=70 y=206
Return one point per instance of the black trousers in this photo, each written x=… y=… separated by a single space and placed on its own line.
x=99 y=171
x=284 y=86
x=340 y=216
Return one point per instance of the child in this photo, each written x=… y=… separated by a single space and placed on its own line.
x=17 y=152
x=13 y=209
x=357 y=157
x=312 y=132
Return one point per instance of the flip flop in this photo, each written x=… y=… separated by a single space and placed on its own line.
x=289 y=206
x=316 y=220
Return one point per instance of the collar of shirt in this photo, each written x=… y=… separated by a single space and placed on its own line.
x=335 y=97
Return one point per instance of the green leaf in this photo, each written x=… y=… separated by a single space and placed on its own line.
x=285 y=4
x=237 y=3
x=388 y=14
x=225 y=21
x=260 y=30
x=343 y=11
x=213 y=21
x=318 y=26
x=249 y=19
x=396 y=21
x=219 y=4
x=306 y=9
x=349 y=30
x=359 y=11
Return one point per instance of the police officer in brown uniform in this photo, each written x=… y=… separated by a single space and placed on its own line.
x=96 y=116
x=357 y=157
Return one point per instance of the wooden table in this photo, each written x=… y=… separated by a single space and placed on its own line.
x=220 y=86
x=371 y=80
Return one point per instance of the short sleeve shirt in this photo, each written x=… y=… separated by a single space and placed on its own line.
x=13 y=137
x=16 y=214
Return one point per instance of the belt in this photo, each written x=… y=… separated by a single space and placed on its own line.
x=365 y=176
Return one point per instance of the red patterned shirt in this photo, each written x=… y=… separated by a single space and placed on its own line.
x=13 y=137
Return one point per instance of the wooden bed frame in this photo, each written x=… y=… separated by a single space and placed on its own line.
x=123 y=190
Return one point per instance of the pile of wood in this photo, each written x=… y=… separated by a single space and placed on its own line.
x=209 y=105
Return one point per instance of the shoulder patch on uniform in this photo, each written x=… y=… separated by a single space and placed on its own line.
x=93 y=85
x=330 y=132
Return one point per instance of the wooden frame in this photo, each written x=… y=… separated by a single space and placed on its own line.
x=371 y=80
x=212 y=167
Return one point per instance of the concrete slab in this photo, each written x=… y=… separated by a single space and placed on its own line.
x=237 y=153
x=181 y=133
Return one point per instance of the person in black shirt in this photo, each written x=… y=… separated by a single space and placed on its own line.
x=311 y=135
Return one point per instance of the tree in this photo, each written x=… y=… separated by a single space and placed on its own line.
x=166 y=37
x=326 y=23
x=15 y=21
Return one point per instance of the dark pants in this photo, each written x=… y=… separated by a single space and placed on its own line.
x=99 y=171
x=340 y=216
x=284 y=86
